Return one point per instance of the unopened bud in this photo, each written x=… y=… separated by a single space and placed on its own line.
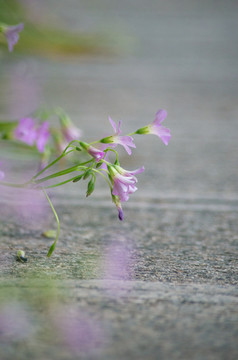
x=87 y=174
x=90 y=187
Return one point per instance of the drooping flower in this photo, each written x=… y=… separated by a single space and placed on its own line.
x=42 y=136
x=123 y=181
x=95 y=153
x=12 y=35
x=26 y=131
x=156 y=128
x=126 y=141
x=117 y=202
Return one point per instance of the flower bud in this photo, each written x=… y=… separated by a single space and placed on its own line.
x=91 y=186
x=87 y=174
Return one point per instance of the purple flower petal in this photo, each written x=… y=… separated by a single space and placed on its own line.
x=42 y=136
x=162 y=132
x=125 y=141
x=123 y=181
x=97 y=154
x=113 y=124
x=26 y=131
x=160 y=116
x=12 y=35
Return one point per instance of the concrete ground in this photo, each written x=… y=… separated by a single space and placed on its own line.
x=162 y=284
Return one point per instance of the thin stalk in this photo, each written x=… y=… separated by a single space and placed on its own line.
x=60 y=173
x=99 y=172
x=61 y=183
x=51 y=164
x=58 y=224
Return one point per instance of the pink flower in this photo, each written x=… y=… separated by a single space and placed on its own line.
x=27 y=132
x=12 y=35
x=125 y=141
x=123 y=181
x=71 y=132
x=42 y=136
x=95 y=153
x=156 y=128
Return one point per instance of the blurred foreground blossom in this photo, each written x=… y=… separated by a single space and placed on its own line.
x=12 y=35
x=79 y=331
x=117 y=264
x=69 y=130
x=15 y=322
x=126 y=141
x=2 y=175
x=156 y=128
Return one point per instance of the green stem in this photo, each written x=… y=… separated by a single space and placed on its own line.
x=58 y=224
x=109 y=149
x=60 y=173
x=61 y=183
x=51 y=164
x=4 y=183
x=99 y=172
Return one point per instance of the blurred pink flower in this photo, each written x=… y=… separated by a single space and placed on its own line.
x=12 y=35
x=71 y=132
x=42 y=136
x=2 y=174
x=28 y=133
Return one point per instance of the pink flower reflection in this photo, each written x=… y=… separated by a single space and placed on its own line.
x=15 y=322
x=79 y=332
x=117 y=269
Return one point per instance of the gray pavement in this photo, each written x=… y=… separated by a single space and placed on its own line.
x=162 y=284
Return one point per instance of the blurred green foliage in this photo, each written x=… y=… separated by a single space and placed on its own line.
x=41 y=40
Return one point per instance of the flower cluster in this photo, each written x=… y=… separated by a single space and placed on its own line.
x=35 y=131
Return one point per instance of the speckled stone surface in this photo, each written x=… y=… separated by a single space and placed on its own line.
x=162 y=284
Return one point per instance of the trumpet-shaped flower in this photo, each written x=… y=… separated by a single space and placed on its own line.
x=95 y=153
x=12 y=35
x=126 y=141
x=123 y=181
x=156 y=128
